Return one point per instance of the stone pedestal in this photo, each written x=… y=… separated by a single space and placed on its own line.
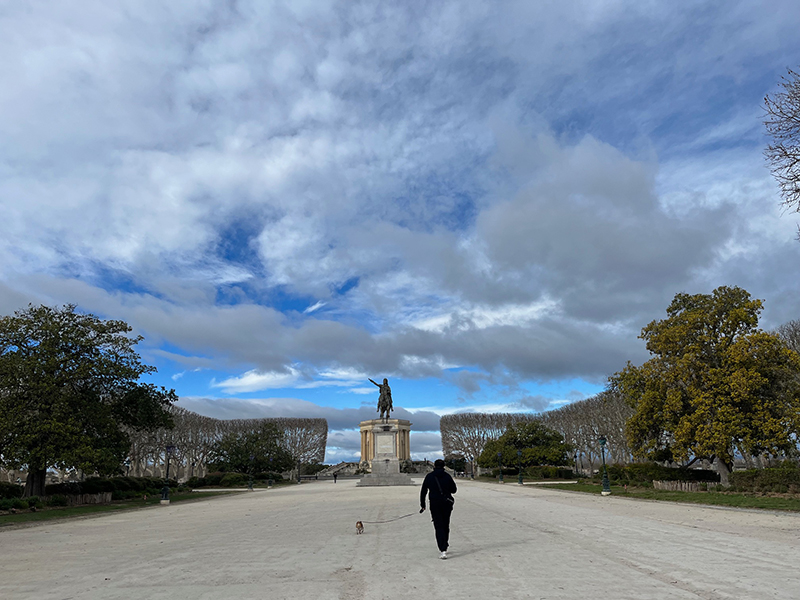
x=384 y=438
x=384 y=444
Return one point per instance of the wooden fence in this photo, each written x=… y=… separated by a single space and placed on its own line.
x=101 y=498
x=682 y=486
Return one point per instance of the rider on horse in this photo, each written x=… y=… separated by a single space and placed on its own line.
x=385 y=399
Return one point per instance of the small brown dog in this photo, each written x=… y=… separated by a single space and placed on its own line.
x=359 y=528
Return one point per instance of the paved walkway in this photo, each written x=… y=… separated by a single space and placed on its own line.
x=507 y=541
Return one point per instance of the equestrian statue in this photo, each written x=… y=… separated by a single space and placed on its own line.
x=385 y=399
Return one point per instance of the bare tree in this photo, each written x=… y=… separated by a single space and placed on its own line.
x=581 y=423
x=783 y=127
x=790 y=334
x=467 y=433
x=193 y=436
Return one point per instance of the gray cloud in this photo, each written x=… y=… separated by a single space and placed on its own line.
x=516 y=192
x=338 y=418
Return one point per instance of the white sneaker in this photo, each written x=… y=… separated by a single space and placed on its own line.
x=443 y=555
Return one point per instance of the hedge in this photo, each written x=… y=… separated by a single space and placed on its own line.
x=10 y=490
x=781 y=479
x=120 y=486
x=638 y=473
x=230 y=479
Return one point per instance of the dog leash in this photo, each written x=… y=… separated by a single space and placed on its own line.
x=390 y=520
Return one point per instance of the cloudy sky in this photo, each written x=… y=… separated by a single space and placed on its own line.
x=482 y=201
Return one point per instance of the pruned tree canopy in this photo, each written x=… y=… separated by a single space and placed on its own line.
x=69 y=393
x=716 y=383
x=194 y=436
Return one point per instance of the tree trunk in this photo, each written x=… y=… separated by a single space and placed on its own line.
x=724 y=471
x=34 y=484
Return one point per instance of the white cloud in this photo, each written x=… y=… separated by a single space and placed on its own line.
x=513 y=192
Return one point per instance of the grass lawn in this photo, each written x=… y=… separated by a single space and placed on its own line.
x=739 y=500
x=46 y=514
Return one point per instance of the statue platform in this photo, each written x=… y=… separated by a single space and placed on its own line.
x=384 y=443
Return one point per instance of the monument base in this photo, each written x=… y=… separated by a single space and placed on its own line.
x=385 y=471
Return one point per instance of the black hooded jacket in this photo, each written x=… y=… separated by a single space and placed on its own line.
x=433 y=481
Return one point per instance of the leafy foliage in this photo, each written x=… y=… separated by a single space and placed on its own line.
x=10 y=490
x=456 y=462
x=785 y=478
x=715 y=384
x=233 y=452
x=69 y=390
x=538 y=445
x=645 y=473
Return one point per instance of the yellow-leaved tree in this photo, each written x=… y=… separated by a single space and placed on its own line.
x=715 y=384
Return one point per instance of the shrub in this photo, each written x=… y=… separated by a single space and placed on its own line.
x=6 y=503
x=97 y=485
x=214 y=478
x=545 y=472
x=196 y=482
x=19 y=504
x=232 y=479
x=10 y=490
x=67 y=489
x=121 y=484
x=57 y=500
x=645 y=473
x=776 y=479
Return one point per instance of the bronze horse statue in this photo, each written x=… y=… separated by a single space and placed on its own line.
x=385 y=399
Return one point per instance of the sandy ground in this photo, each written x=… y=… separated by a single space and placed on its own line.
x=507 y=541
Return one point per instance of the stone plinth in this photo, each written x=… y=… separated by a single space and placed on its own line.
x=384 y=438
x=384 y=443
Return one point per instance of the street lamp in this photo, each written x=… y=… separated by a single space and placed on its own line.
x=500 y=464
x=519 y=466
x=250 y=484
x=606 y=487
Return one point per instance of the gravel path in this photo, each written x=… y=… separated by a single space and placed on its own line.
x=507 y=542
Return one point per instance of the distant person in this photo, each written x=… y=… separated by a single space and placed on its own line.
x=439 y=487
x=335 y=476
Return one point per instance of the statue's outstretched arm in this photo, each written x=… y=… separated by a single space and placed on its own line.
x=378 y=384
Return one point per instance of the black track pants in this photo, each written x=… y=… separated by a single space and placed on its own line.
x=441 y=523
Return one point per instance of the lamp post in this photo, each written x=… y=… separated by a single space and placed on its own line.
x=250 y=484
x=606 y=487
x=269 y=483
x=500 y=464
x=519 y=466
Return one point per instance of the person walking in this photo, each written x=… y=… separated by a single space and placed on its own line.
x=439 y=487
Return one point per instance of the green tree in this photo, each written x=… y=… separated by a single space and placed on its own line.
x=716 y=384
x=233 y=451
x=539 y=445
x=69 y=392
x=457 y=462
